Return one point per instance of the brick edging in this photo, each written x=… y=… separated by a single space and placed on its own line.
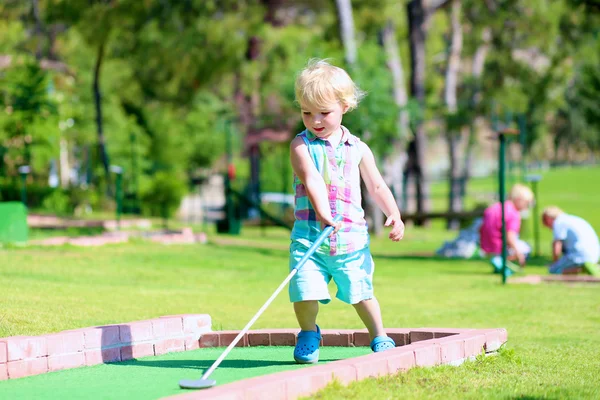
x=22 y=356
x=421 y=347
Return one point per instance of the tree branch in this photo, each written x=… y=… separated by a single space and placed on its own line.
x=434 y=5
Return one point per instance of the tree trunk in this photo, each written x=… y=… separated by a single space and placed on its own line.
x=99 y=125
x=347 y=35
x=39 y=29
x=454 y=205
x=344 y=9
x=248 y=103
x=453 y=130
x=64 y=164
x=417 y=33
x=394 y=163
x=477 y=71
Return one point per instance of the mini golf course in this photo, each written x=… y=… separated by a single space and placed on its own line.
x=146 y=359
x=156 y=377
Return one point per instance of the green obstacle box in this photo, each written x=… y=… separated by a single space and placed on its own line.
x=13 y=222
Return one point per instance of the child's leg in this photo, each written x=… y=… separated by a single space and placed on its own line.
x=564 y=263
x=370 y=314
x=306 y=314
x=572 y=270
x=306 y=350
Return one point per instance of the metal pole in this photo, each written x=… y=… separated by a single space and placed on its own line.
x=536 y=222
x=24 y=170
x=228 y=196
x=508 y=160
x=135 y=207
x=119 y=195
x=523 y=140
x=24 y=189
x=534 y=179
x=118 y=192
x=501 y=194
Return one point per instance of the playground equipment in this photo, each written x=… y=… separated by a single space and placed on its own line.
x=237 y=202
x=118 y=171
x=24 y=170
x=520 y=134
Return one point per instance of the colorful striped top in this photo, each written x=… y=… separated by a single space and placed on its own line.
x=339 y=168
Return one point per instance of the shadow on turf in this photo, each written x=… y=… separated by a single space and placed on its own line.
x=205 y=364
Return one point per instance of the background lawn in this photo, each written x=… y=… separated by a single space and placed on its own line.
x=553 y=329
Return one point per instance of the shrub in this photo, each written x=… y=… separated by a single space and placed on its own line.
x=161 y=195
x=58 y=203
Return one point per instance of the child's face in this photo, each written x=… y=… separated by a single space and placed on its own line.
x=323 y=122
x=521 y=204
x=547 y=221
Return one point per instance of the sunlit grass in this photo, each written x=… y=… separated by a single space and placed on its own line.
x=553 y=329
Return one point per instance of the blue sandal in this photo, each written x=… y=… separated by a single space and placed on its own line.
x=382 y=343
x=510 y=266
x=307 y=348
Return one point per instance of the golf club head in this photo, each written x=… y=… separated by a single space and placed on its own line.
x=197 y=383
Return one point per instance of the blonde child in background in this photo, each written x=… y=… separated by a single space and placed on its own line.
x=575 y=245
x=490 y=232
x=328 y=163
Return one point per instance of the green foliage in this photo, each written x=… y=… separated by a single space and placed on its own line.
x=58 y=203
x=581 y=115
x=375 y=118
x=173 y=73
x=276 y=174
x=28 y=128
x=10 y=190
x=162 y=193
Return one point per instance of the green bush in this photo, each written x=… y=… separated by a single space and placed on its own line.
x=161 y=194
x=58 y=203
x=10 y=190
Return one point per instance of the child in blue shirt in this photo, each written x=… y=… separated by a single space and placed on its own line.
x=575 y=244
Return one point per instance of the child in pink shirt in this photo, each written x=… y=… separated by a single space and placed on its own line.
x=490 y=233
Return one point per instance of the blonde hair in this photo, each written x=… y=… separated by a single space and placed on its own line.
x=522 y=192
x=321 y=84
x=552 y=212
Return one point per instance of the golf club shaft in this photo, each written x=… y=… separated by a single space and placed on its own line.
x=326 y=232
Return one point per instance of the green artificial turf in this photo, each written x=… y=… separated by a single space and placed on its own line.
x=156 y=377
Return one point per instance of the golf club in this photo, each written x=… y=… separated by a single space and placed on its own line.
x=204 y=382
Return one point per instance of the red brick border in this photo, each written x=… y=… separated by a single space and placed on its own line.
x=22 y=356
x=421 y=347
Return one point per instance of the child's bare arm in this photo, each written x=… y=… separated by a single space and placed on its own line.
x=381 y=193
x=556 y=249
x=308 y=174
x=511 y=241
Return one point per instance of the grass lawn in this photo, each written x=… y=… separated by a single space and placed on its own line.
x=554 y=337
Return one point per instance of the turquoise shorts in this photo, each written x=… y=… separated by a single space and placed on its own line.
x=352 y=274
